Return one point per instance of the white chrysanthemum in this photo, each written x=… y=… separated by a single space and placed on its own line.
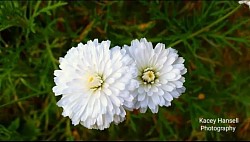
x=94 y=82
x=247 y=2
x=159 y=75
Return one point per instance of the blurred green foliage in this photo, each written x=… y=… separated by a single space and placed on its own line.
x=212 y=36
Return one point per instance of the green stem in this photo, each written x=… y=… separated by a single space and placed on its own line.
x=205 y=28
x=24 y=98
x=50 y=53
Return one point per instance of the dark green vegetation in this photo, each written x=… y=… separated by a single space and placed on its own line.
x=212 y=36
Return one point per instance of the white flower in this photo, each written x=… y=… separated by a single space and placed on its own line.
x=159 y=75
x=94 y=82
x=247 y=2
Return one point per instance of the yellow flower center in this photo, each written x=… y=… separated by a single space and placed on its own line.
x=91 y=79
x=149 y=76
x=95 y=82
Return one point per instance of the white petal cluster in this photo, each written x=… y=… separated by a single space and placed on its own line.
x=159 y=74
x=97 y=83
x=94 y=82
x=247 y=2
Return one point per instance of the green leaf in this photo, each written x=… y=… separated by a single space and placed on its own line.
x=5 y=134
x=14 y=125
x=30 y=131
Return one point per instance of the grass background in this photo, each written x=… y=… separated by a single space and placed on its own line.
x=212 y=36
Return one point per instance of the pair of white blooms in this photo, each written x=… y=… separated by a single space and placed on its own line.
x=97 y=83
